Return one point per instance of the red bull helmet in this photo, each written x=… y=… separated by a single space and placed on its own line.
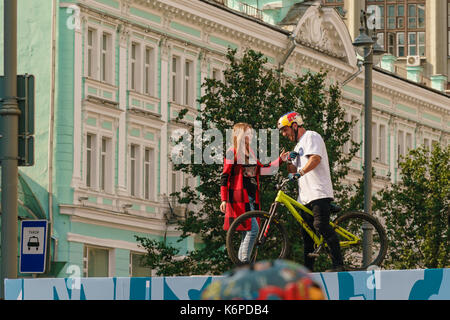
x=288 y=119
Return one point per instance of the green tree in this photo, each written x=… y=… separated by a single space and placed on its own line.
x=416 y=211
x=257 y=95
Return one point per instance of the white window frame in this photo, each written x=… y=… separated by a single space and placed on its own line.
x=420 y=44
x=141 y=165
x=98 y=133
x=379 y=142
x=398 y=36
x=149 y=77
x=434 y=142
x=405 y=140
x=111 y=264
x=106 y=164
x=134 y=181
x=96 y=53
x=413 y=17
x=217 y=73
x=409 y=142
x=374 y=141
x=411 y=45
x=149 y=173
x=106 y=55
x=91 y=45
x=179 y=180
x=427 y=143
x=135 y=66
x=382 y=143
x=183 y=83
x=380 y=39
x=400 y=143
x=391 y=47
x=90 y=170
x=354 y=130
x=142 y=73
x=188 y=83
x=132 y=253
x=175 y=79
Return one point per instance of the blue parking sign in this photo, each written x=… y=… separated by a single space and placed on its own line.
x=33 y=246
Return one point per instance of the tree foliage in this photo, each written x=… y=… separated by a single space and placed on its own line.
x=416 y=211
x=258 y=95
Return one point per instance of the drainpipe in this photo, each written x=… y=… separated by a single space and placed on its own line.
x=353 y=76
x=294 y=43
x=51 y=124
x=290 y=50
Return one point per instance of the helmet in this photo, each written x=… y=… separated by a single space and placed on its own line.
x=288 y=119
x=265 y=280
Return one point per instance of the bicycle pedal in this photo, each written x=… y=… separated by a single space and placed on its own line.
x=313 y=255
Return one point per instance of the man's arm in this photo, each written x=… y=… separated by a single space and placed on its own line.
x=313 y=162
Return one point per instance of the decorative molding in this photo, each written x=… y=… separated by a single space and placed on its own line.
x=125 y=6
x=117 y=220
x=321 y=36
x=108 y=243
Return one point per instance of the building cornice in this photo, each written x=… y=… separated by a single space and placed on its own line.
x=117 y=220
x=107 y=243
x=419 y=96
x=228 y=23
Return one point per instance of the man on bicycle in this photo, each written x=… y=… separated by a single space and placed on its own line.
x=310 y=160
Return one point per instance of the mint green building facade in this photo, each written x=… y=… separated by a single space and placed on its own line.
x=111 y=77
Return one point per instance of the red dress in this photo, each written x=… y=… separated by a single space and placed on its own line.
x=232 y=187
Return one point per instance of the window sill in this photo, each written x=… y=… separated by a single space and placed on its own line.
x=100 y=82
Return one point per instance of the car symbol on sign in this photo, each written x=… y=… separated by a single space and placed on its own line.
x=33 y=242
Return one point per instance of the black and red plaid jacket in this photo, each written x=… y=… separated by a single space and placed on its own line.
x=232 y=187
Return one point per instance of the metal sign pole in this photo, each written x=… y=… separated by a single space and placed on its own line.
x=9 y=116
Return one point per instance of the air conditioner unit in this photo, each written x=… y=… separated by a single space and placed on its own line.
x=413 y=61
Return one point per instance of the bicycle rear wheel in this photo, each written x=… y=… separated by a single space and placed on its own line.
x=361 y=224
x=273 y=245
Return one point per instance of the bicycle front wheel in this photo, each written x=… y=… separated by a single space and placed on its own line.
x=370 y=246
x=270 y=243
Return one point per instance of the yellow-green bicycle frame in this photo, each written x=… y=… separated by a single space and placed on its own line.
x=289 y=203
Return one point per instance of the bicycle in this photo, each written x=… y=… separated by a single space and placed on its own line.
x=352 y=228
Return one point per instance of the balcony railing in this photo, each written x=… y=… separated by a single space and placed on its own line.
x=251 y=11
x=242 y=7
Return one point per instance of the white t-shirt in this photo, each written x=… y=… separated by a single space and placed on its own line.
x=316 y=184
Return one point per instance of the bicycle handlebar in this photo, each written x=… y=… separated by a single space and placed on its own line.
x=283 y=182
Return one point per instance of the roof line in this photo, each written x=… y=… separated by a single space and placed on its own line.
x=245 y=16
x=410 y=81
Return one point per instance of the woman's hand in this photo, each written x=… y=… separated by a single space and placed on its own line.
x=284 y=155
x=223 y=206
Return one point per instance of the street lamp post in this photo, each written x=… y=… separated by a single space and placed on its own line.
x=9 y=123
x=369 y=48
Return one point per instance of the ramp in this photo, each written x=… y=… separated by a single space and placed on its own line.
x=428 y=284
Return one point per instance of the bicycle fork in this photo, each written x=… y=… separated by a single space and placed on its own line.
x=262 y=235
